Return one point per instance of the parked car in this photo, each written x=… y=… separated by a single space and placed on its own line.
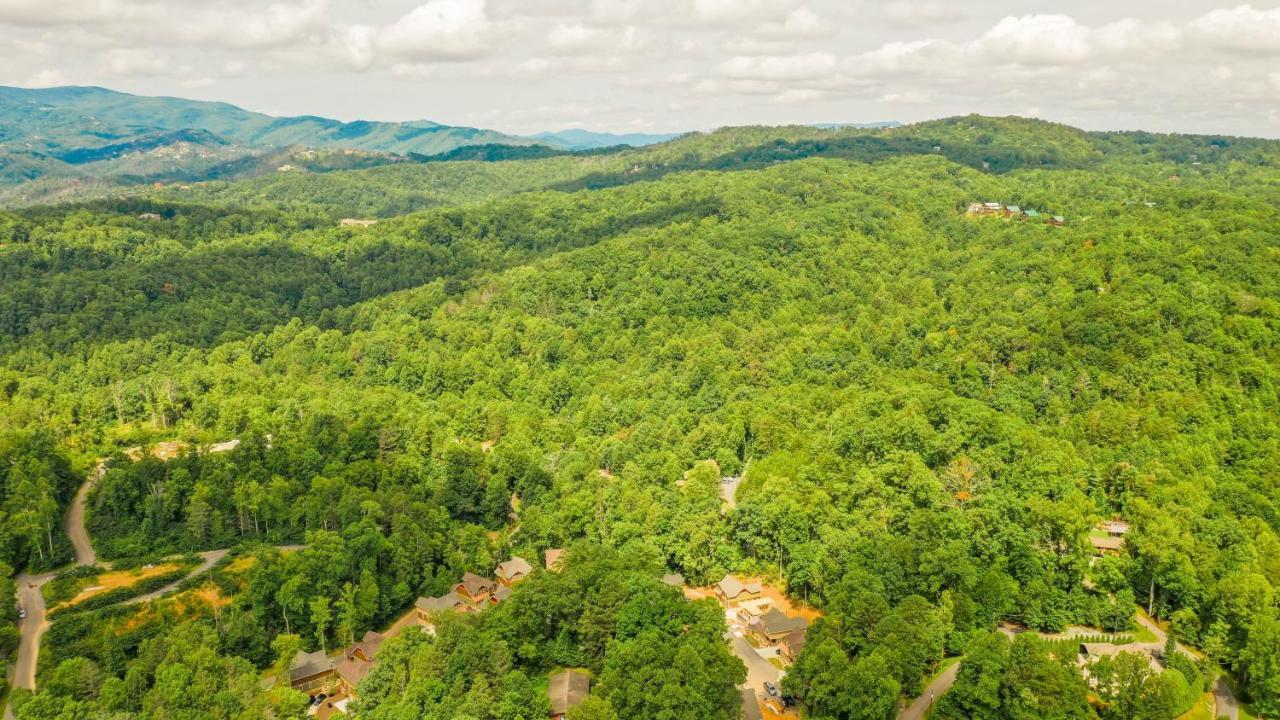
x=771 y=689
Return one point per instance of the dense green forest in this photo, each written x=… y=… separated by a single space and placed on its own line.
x=931 y=411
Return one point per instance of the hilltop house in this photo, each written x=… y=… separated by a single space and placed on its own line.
x=752 y=609
x=513 y=571
x=732 y=592
x=771 y=627
x=793 y=643
x=566 y=690
x=474 y=589
x=310 y=671
x=1057 y=221
x=356 y=222
x=150 y=216
x=1109 y=545
x=426 y=608
x=356 y=662
x=500 y=594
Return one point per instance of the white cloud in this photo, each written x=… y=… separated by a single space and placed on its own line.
x=797 y=96
x=810 y=66
x=440 y=30
x=45 y=78
x=132 y=62
x=579 y=39
x=799 y=23
x=277 y=25
x=911 y=13
x=1240 y=29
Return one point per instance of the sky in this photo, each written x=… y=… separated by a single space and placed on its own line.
x=671 y=65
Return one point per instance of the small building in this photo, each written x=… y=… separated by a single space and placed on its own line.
x=356 y=662
x=674 y=580
x=793 y=643
x=991 y=208
x=1093 y=651
x=310 y=671
x=752 y=609
x=750 y=705
x=356 y=222
x=474 y=589
x=1057 y=221
x=566 y=690
x=731 y=591
x=973 y=209
x=513 y=571
x=1108 y=545
x=1031 y=213
x=426 y=609
x=1114 y=528
x=150 y=216
x=1013 y=211
x=555 y=559
x=775 y=625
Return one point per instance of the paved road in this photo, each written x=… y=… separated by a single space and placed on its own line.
x=1225 y=703
x=936 y=689
x=1224 y=700
x=759 y=670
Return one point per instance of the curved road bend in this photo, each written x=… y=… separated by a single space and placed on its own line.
x=936 y=689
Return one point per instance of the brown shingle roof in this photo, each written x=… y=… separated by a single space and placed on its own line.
x=674 y=580
x=776 y=622
x=474 y=584
x=513 y=569
x=448 y=601
x=1107 y=543
x=353 y=669
x=732 y=587
x=307 y=664
x=566 y=690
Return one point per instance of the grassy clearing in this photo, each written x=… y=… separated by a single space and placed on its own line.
x=1202 y=710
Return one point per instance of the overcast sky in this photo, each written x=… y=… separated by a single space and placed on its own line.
x=669 y=65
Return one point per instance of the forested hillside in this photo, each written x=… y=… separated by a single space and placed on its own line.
x=931 y=412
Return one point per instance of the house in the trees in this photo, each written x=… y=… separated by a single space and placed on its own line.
x=475 y=589
x=771 y=627
x=555 y=559
x=427 y=608
x=566 y=690
x=150 y=216
x=1013 y=211
x=752 y=609
x=793 y=643
x=310 y=671
x=1057 y=221
x=674 y=580
x=356 y=662
x=732 y=592
x=500 y=594
x=356 y=222
x=1114 y=528
x=513 y=571
x=1031 y=213
x=1108 y=545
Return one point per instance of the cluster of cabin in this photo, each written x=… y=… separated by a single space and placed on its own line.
x=766 y=624
x=474 y=593
x=1011 y=212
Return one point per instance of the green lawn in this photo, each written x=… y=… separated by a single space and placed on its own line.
x=1202 y=710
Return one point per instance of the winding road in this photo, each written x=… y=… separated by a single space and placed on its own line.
x=936 y=689
x=30 y=598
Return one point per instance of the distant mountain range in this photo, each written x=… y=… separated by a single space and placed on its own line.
x=66 y=142
x=578 y=139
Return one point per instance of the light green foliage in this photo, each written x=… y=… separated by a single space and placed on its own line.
x=930 y=412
